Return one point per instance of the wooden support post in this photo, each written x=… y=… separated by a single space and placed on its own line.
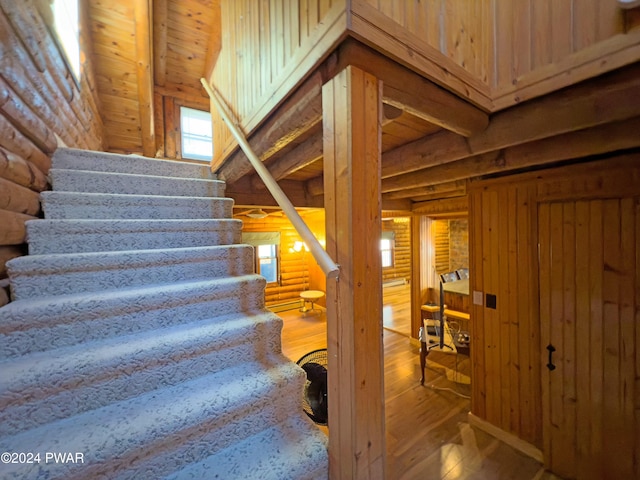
x=351 y=104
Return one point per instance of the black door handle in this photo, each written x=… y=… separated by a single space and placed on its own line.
x=550 y=365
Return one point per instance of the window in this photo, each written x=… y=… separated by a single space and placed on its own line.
x=267 y=262
x=386 y=248
x=267 y=253
x=63 y=20
x=196 y=134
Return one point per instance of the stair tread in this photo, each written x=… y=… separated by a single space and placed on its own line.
x=151 y=224
x=56 y=171
x=133 y=425
x=72 y=158
x=137 y=297
x=55 y=263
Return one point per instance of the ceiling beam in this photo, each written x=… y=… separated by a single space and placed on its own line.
x=597 y=102
x=445 y=206
x=457 y=187
x=408 y=91
x=159 y=13
x=299 y=113
x=242 y=194
x=306 y=153
x=596 y=140
x=144 y=72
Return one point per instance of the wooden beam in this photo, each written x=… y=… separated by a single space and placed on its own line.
x=308 y=152
x=457 y=187
x=591 y=141
x=439 y=208
x=243 y=194
x=410 y=92
x=160 y=13
x=352 y=116
x=184 y=93
x=592 y=103
x=299 y=113
x=144 y=71
x=315 y=186
x=390 y=113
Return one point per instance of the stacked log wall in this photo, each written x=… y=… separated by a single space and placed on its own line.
x=41 y=107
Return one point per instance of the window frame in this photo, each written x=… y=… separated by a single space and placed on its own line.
x=276 y=257
x=388 y=236
x=196 y=157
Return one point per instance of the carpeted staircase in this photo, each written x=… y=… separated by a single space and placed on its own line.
x=138 y=341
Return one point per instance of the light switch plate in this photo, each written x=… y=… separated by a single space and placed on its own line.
x=477 y=298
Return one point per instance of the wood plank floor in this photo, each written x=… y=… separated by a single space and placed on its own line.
x=428 y=434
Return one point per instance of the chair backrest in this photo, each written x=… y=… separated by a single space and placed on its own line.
x=449 y=277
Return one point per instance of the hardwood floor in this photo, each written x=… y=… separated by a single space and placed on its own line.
x=428 y=434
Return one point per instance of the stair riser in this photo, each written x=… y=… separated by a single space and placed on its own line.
x=33 y=277
x=214 y=418
x=98 y=182
x=85 y=387
x=111 y=162
x=42 y=242
x=54 y=325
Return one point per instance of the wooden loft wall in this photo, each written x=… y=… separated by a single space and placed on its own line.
x=267 y=49
x=497 y=53
x=41 y=106
x=584 y=307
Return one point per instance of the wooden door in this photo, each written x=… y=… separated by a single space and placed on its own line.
x=589 y=270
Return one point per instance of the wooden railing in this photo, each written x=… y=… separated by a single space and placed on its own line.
x=325 y=262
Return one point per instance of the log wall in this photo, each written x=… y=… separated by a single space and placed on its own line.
x=297 y=269
x=41 y=106
x=401 y=269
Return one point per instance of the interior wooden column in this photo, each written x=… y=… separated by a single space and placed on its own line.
x=351 y=104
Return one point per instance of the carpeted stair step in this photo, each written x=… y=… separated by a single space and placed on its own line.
x=127 y=183
x=35 y=325
x=36 y=276
x=75 y=236
x=183 y=422
x=70 y=205
x=73 y=159
x=92 y=375
x=301 y=455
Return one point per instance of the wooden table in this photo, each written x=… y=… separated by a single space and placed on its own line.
x=310 y=296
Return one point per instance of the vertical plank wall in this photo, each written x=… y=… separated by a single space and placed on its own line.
x=579 y=213
x=39 y=99
x=267 y=47
x=506 y=370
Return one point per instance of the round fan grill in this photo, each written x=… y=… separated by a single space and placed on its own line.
x=314 y=398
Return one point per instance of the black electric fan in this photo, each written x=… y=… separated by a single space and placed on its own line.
x=314 y=397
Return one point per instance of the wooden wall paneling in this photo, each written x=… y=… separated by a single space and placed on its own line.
x=613 y=450
x=544 y=275
x=637 y=340
x=476 y=275
x=511 y=323
x=159 y=124
x=583 y=350
x=160 y=15
x=628 y=284
x=562 y=28
x=171 y=128
x=596 y=344
x=143 y=14
x=529 y=318
x=354 y=303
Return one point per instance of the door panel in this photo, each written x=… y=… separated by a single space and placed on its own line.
x=588 y=298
